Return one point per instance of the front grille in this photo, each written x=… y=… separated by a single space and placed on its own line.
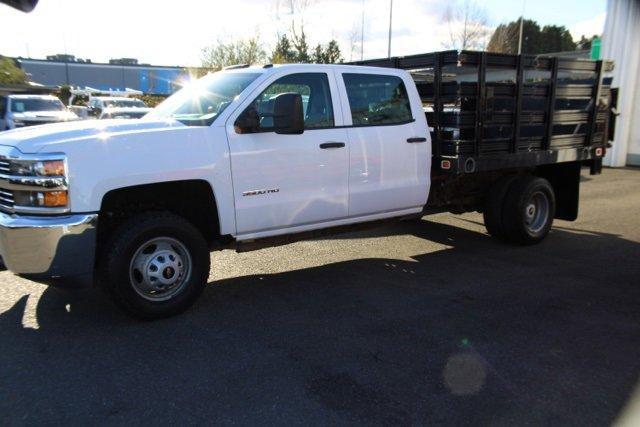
x=6 y=200
x=5 y=166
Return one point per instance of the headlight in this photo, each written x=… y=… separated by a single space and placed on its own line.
x=18 y=123
x=38 y=168
x=34 y=185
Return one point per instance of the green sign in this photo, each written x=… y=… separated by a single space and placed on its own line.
x=595 y=49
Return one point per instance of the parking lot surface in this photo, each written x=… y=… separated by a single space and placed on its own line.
x=424 y=322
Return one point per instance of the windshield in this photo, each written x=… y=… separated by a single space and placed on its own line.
x=20 y=105
x=199 y=103
x=124 y=103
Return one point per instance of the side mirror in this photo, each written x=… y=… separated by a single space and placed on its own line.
x=23 y=5
x=288 y=117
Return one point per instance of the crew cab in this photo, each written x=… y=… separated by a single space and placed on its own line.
x=110 y=107
x=255 y=156
x=18 y=111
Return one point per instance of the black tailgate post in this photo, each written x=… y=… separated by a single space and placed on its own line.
x=480 y=102
x=519 y=89
x=551 y=106
x=437 y=105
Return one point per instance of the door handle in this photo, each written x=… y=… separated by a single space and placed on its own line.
x=416 y=140
x=331 y=144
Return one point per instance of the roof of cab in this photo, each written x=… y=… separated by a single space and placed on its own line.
x=269 y=68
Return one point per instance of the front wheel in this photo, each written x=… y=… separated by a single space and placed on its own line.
x=155 y=265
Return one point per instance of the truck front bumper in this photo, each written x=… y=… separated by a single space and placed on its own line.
x=55 y=250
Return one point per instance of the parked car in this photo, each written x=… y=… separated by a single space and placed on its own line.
x=18 y=111
x=239 y=160
x=108 y=107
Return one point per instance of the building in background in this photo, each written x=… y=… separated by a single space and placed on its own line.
x=621 y=44
x=119 y=74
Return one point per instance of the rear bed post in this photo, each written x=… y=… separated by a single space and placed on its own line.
x=551 y=106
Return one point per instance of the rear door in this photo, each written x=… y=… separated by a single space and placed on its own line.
x=288 y=183
x=390 y=151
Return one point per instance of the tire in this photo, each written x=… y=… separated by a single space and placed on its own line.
x=493 y=206
x=528 y=211
x=154 y=265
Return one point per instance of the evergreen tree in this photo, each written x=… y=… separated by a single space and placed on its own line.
x=551 y=38
x=283 y=52
x=585 y=43
x=301 y=47
x=318 y=55
x=332 y=53
x=556 y=38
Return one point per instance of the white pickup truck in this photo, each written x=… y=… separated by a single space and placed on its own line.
x=243 y=158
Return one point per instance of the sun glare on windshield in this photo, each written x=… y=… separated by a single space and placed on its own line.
x=200 y=102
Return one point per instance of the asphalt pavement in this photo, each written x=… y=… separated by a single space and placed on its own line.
x=421 y=323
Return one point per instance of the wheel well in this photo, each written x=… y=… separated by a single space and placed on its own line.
x=192 y=199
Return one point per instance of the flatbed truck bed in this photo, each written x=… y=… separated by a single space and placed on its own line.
x=493 y=114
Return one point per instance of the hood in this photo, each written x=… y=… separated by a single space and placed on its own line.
x=51 y=136
x=54 y=115
x=125 y=112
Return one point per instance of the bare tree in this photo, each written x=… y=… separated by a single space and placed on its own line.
x=296 y=10
x=354 y=42
x=225 y=53
x=468 y=25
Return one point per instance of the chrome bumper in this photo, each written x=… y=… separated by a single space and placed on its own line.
x=51 y=247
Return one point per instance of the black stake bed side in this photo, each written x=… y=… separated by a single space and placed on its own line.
x=490 y=111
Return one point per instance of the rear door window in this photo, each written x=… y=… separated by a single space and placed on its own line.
x=377 y=99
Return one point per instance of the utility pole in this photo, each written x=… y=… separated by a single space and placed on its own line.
x=520 y=37
x=390 y=22
x=362 y=34
x=521 y=29
x=64 y=44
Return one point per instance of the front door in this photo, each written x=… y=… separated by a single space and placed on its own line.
x=281 y=182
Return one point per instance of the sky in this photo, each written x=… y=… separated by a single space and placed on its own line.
x=174 y=33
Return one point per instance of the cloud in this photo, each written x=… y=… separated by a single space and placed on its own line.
x=588 y=27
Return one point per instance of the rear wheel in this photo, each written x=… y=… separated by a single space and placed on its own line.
x=155 y=265
x=528 y=210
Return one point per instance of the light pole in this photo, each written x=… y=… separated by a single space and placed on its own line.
x=390 y=21
x=521 y=30
x=362 y=34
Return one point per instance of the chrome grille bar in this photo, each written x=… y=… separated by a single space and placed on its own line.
x=5 y=166
x=7 y=202
x=32 y=183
